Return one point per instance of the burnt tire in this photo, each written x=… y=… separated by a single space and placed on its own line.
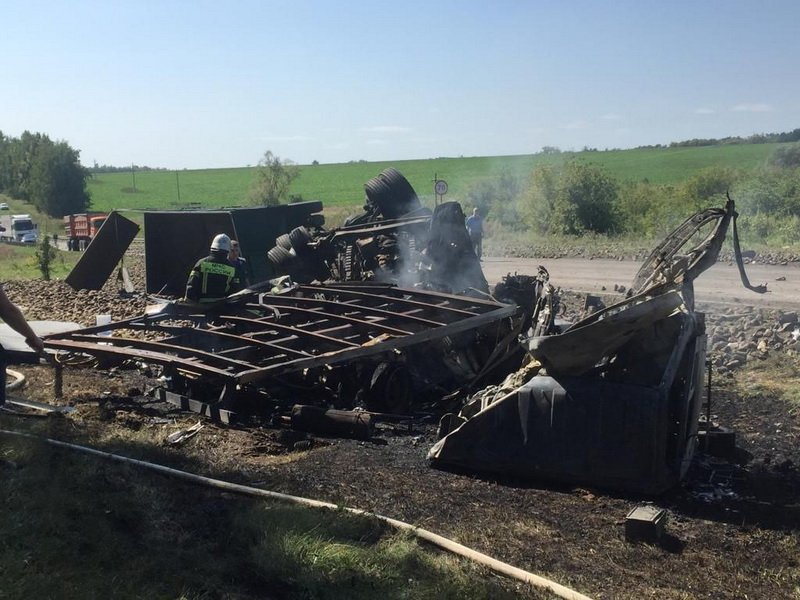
x=390 y=389
x=281 y=259
x=284 y=241
x=299 y=237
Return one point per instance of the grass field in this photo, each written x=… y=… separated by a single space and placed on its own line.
x=19 y=262
x=343 y=184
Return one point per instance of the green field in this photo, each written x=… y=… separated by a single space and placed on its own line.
x=19 y=262
x=342 y=184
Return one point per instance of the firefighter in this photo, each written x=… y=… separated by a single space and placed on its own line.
x=213 y=277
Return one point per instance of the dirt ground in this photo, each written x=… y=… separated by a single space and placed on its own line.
x=733 y=528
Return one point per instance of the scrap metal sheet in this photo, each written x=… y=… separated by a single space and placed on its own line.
x=103 y=253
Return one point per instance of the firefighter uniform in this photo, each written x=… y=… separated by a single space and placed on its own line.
x=213 y=278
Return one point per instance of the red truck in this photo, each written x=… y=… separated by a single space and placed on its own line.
x=81 y=228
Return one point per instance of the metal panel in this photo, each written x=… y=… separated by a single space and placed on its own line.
x=103 y=253
x=258 y=228
x=175 y=240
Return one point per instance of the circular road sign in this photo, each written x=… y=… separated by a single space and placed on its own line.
x=441 y=187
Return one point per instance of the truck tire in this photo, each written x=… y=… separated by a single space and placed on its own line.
x=281 y=259
x=403 y=192
x=300 y=237
x=382 y=197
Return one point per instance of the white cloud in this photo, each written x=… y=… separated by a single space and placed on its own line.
x=757 y=107
x=704 y=111
x=612 y=117
x=386 y=129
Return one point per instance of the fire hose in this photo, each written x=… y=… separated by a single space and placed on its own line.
x=433 y=538
x=19 y=379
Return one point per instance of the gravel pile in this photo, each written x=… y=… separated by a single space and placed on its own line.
x=736 y=338
x=611 y=250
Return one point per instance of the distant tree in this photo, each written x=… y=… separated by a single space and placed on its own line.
x=771 y=192
x=6 y=165
x=23 y=153
x=274 y=177
x=575 y=199
x=315 y=163
x=538 y=202
x=586 y=201
x=57 y=181
x=707 y=188
x=787 y=157
x=648 y=210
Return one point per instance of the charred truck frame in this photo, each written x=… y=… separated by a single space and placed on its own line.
x=404 y=322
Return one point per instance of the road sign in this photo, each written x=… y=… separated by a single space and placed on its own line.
x=441 y=187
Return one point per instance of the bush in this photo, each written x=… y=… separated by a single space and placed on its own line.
x=787 y=157
x=572 y=200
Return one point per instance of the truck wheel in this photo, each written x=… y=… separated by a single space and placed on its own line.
x=380 y=195
x=390 y=389
x=280 y=259
x=403 y=192
x=300 y=237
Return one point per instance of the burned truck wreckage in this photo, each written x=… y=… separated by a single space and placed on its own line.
x=390 y=316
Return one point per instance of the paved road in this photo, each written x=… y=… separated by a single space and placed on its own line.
x=719 y=284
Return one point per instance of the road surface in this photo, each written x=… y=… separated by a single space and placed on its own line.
x=719 y=284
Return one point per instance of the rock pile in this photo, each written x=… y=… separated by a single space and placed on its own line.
x=736 y=338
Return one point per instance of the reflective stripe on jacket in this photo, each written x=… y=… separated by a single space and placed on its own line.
x=212 y=279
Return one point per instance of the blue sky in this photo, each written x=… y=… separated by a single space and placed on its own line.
x=216 y=84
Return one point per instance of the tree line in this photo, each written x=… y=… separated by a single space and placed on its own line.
x=47 y=174
x=577 y=197
x=756 y=138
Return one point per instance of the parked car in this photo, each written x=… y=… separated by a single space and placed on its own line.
x=29 y=238
x=4 y=206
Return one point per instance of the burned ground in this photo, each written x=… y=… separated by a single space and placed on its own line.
x=732 y=528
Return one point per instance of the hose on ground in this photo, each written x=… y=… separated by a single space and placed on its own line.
x=433 y=538
x=19 y=380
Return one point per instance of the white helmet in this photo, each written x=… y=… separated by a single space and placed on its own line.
x=221 y=242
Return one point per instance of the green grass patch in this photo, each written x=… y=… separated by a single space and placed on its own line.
x=76 y=527
x=19 y=262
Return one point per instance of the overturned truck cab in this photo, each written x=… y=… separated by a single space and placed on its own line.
x=614 y=400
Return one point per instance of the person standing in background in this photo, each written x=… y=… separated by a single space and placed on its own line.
x=474 y=225
x=236 y=260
